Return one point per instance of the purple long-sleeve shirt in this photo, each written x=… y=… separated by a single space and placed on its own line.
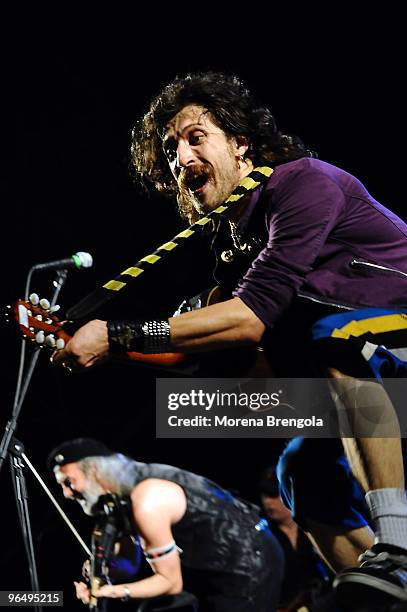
x=329 y=240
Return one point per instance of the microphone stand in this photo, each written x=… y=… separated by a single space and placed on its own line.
x=21 y=495
x=58 y=283
x=13 y=450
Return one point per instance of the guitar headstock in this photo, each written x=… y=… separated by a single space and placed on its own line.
x=37 y=322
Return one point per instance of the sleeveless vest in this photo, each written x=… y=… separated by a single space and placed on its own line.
x=217 y=530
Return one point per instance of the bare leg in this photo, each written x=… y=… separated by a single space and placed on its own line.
x=373 y=447
x=339 y=548
x=375 y=461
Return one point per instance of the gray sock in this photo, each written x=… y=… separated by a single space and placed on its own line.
x=388 y=509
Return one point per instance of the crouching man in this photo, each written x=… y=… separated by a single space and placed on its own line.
x=196 y=535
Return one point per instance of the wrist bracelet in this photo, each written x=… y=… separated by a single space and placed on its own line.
x=127 y=594
x=141 y=336
x=156 y=336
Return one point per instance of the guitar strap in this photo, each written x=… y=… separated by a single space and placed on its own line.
x=125 y=279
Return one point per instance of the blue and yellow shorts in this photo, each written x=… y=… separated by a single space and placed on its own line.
x=369 y=342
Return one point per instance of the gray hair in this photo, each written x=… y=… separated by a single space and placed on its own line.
x=117 y=470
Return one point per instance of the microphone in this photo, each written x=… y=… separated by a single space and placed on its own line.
x=78 y=261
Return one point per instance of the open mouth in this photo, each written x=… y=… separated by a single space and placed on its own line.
x=78 y=496
x=196 y=181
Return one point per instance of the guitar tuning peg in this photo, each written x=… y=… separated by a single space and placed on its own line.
x=60 y=344
x=39 y=317
x=45 y=304
x=34 y=299
x=48 y=321
x=50 y=341
x=55 y=308
x=40 y=337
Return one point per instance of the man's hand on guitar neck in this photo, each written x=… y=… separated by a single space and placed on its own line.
x=87 y=347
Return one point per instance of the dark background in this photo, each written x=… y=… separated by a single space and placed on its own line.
x=77 y=76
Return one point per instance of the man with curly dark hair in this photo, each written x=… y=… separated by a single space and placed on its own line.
x=312 y=267
x=216 y=96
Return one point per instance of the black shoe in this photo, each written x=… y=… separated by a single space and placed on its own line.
x=380 y=580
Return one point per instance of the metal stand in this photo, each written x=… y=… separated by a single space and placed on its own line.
x=58 y=284
x=14 y=449
x=21 y=495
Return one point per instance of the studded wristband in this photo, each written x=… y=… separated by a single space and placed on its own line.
x=156 y=336
x=141 y=336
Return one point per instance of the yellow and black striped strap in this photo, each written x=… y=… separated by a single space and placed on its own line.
x=103 y=294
